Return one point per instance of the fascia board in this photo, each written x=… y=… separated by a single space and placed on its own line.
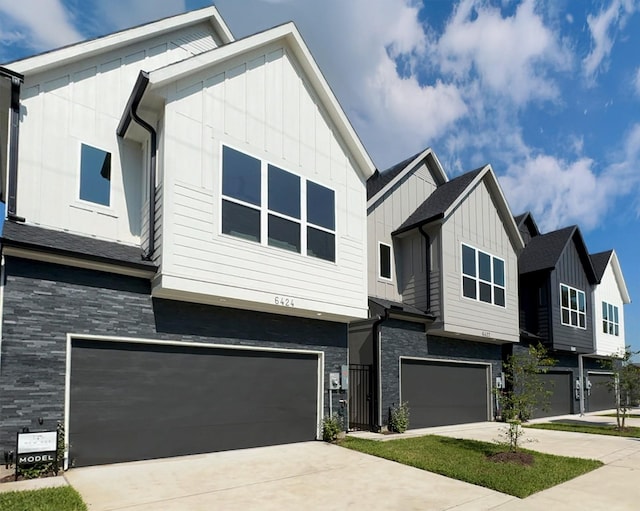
x=291 y=37
x=409 y=168
x=92 y=47
x=501 y=201
x=617 y=271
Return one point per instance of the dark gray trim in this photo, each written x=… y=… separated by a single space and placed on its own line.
x=134 y=99
x=14 y=137
x=427 y=262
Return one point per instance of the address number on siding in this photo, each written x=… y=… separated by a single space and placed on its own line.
x=486 y=334
x=284 y=301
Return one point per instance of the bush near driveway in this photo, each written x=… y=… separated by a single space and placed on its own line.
x=63 y=498
x=468 y=460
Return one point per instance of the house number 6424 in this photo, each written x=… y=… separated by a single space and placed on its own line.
x=285 y=301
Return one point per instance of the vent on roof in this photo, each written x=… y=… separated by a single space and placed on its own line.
x=195 y=42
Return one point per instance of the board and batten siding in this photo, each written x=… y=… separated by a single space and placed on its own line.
x=260 y=104
x=608 y=291
x=477 y=223
x=569 y=271
x=82 y=102
x=384 y=217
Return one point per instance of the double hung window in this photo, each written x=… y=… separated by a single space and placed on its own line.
x=95 y=175
x=610 y=323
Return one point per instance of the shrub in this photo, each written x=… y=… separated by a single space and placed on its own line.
x=399 y=418
x=331 y=426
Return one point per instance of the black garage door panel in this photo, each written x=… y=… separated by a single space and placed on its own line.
x=601 y=396
x=441 y=393
x=141 y=401
x=559 y=402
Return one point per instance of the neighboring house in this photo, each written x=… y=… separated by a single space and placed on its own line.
x=557 y=280
x=443 y=285
x=181 y=206
x=609 y=298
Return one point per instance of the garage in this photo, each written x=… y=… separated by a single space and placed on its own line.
x=133 y=400
x=440 y=393
x=600 y=396
x=560 y=400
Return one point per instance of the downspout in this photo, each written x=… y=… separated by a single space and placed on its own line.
x=14 y=136
x=582 y=383
x=377 y=384
x=152 y=175
x=2 y=279
x=427 y=266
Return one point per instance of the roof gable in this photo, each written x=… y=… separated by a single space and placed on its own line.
x=448 y=196
x=526 y=223
x=544 y=251
x=381 y=182
x=601 y=261
x=149 y=83
x=92 y=47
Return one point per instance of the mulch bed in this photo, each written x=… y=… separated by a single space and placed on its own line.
x=520 y=458
x=12 y=477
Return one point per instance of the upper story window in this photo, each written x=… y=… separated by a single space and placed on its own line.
x=573 y=307
x=95 y=175
x=266 y=204
x=610 y=323
x=483 y=276
x=384 y=261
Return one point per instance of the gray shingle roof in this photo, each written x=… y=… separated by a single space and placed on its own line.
x=519 y=218
x=73 y=245
x=600 y=261
x=439 y=201
x=380 y=179
x=377 y=306
x=544 y=251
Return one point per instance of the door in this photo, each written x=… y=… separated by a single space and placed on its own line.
x=135 y=401
x=442 y=393
x=560 y=399
x=601 y=396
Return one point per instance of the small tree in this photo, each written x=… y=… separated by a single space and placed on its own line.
x=525 y=390
x=625 y=384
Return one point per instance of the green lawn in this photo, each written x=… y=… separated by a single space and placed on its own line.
x=63 y=498
x=466 y=460
x=595 y=429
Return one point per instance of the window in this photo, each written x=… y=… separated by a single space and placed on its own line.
x=95 y=175
x=244 y=181
x=384 y=261
x=573 y=307
x=483 y=276
x=610 y=323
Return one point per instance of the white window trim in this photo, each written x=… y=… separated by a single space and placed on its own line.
x=478 y=280
x=86 y=204
x=578 y=291
x=380 y=276
x=610 y=321
x=265 y=211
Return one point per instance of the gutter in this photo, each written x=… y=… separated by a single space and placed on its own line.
x=377 y=384
x=14 y=136
x=2 y=279
x=132 y=114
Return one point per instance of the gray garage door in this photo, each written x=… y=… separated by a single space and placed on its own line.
x=561 y=398
x=441 y=393
x=601 y=396
x=131 y=401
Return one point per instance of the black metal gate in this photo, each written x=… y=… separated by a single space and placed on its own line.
x=360 y=396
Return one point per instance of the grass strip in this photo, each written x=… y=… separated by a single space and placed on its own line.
x=63 y=498
x=601 y=429
x=467 y=460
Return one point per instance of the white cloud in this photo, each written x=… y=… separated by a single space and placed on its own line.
x=120 y=14
x=560 y=192
x=603 y=27
x=511 y=55
x=40 y=24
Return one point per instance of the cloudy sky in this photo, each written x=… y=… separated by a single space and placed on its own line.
x=547 y=91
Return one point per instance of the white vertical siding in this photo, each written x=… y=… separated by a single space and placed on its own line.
x=608 y=291
x=476 y=222
x=82 y=102
x=260 y=105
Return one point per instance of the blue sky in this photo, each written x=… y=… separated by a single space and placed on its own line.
x=547 y=92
